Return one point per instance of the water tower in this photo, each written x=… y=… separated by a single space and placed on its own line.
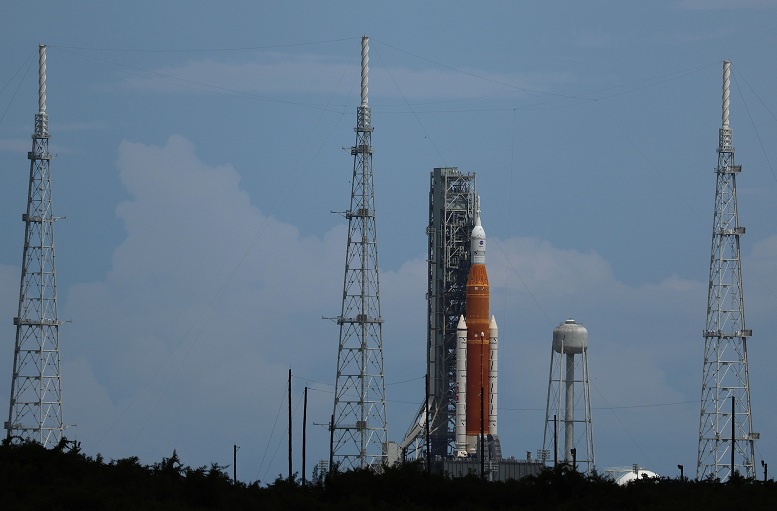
x=569 y=400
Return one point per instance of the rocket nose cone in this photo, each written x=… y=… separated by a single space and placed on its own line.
x=477 y=230
x=462 y=324
x=478 y=239
x=478 y=245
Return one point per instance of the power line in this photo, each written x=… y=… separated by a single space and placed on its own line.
x=198 y=85
x=29 y=62
x=203 y=50
x=491 y=80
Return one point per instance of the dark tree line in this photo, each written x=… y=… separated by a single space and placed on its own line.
x=63 y=478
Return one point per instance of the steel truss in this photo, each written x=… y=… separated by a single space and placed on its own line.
x=359 y=425
x=35 y=411
x=726 y=438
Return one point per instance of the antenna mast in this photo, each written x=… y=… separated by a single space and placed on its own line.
x=726 y=439
x=359 y=432
x=35 y=411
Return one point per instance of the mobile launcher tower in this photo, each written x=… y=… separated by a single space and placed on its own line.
x=452 y=206
x=460 y=407
x=455 y=429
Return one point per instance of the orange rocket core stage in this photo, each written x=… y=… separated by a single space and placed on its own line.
x=478 y=350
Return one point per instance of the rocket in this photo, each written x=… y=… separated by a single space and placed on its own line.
x=476 y=354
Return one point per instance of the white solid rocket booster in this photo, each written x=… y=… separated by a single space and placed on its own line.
x=461 y=388
x=493 y=375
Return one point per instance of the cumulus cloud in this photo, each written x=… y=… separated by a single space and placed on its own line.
x=187 y=341
x=640 y=340
x=645 y=346
x=207 y=303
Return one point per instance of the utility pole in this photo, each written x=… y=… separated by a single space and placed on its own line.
x=331 y=444
x=291 y=475
x=304 y=433
x=234 y=462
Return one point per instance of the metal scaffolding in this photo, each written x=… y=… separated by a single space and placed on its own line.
x=452 y=204
x=35 y=411
x=359 y=426
x=726 y=438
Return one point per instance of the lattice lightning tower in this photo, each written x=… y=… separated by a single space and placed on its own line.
x=36 y=394
x=725 y=427
x=359 y=431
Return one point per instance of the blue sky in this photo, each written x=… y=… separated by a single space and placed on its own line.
x=200 y=151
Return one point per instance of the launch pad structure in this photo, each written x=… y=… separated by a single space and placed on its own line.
x=460 y=396
x=452 y=207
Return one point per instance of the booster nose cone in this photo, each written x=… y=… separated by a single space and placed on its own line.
x=478 y=242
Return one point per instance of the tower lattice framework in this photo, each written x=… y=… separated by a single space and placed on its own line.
x=452 y=202
x=726 y=438
x=35 y=411
x=452 y=199
x=359 y=426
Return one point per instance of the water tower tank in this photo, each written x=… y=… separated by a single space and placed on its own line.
x=570 y=335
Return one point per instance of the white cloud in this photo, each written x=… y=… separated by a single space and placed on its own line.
x=724 y=4
x=273 y=75
x=206 y=305
x=641 y=342
x=545 y=269
x=187 y=341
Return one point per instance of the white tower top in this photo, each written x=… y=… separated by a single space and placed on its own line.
x=42 y=79
x=726 y=86
x=365 y=67
x=478 y=242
